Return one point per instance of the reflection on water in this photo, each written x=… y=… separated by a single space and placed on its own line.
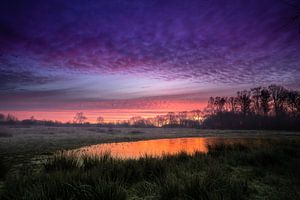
x=147 y=147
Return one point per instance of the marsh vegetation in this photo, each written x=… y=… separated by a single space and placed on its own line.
x=239 y=169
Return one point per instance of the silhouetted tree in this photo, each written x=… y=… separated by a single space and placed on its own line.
x=171 y=117
x=137 y=121
x=211 y=105
x=293 y=98
x=10 y=119
x=197 y=115
x=255 y=96
x=100 y=120
x=264 y=99
x=160 y=121
x=244 y=101
x=231 y=104
x=219 y=103
x=182 y=118
x=278 y=97
x=2 y=118
x=80 y=118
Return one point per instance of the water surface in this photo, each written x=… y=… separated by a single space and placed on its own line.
x=155 y=147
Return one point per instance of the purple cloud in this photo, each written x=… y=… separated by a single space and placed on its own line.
x=207 y=43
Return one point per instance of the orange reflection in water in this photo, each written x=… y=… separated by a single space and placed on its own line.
x=137 y=149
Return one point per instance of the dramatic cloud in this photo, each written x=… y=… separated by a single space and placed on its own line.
x=70 y=50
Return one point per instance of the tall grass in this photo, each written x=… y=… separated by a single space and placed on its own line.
x=4 y=134
x=238 y=170
x=3 y=168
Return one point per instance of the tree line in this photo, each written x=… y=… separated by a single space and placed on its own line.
x=273 y=107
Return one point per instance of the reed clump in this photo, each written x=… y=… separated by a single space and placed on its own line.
x=238 y=170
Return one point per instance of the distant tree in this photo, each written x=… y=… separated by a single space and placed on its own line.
x=2 y=117
x=182 y=118
x=80 y=118
x=211 y=105
x=159 y=120
x=255 y=96
x=219 y=104
x=284 y=104
x=30 y=121
x=149 y=122
x=231 y=104
x=293 y=98
x=264 y=100
x=278 y=97
x=244 y=101
x=137 y=121
x=197 y=115
x=100 y=120
x=10 y=119
x=171 y=118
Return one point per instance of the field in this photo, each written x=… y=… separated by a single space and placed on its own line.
x=256 y=165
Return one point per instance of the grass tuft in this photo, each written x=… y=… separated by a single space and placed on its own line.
x=61 y=162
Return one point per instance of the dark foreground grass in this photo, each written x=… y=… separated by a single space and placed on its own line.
x=3 y=168
x=248 y=169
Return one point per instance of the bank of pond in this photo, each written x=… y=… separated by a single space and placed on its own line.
x=182 y=168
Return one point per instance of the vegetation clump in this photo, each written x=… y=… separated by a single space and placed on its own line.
x=265 y=169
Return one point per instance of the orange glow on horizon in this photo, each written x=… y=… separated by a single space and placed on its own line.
x=109 y=115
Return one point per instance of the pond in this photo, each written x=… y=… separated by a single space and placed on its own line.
x=155 y=147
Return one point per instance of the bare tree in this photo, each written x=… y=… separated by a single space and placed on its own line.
x=159 y=119
x=264 y=100
x=100 y=120
x=244 y=101
x=278 y=96
x=220 y=104
x=2 y=117
x=293 y=98
x=197 y=115
x=11 y=119
x=255 y=96
x=211 y=105
x=79 y=118
x=231 y=104
x=136 y=121
x=284 y=103
x=171 y=118
x=182 y=117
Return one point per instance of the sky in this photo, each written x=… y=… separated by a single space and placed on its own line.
x=121 y=58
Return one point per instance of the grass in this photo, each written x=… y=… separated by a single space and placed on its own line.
x=3 y=168
x=28 y=143
x=4 y=134
x=239 y=169
x=136 y=132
